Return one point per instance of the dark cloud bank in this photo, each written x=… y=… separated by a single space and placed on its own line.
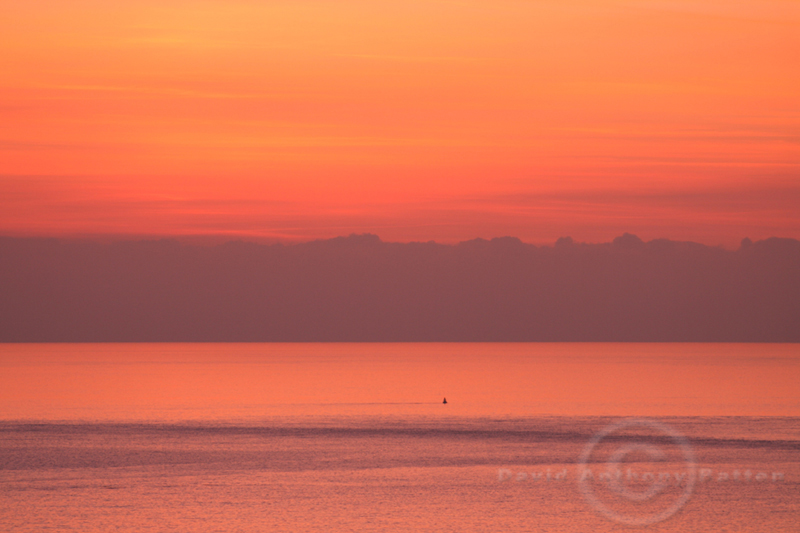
x=358 y=288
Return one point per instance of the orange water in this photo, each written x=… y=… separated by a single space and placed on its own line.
x=354 y=437
x=250 y=381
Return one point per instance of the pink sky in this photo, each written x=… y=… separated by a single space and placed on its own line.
x=415 y=120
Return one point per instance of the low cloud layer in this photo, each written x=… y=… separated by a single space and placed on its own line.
x=359 y=288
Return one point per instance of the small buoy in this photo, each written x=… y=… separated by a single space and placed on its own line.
x=445 y=400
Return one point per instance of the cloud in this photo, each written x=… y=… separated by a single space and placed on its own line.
x=359 y=288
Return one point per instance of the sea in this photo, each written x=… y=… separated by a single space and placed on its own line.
x=533 y=437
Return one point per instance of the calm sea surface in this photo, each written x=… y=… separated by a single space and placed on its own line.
x=355 y=437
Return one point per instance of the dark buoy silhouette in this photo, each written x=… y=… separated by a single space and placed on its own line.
x=445 y=400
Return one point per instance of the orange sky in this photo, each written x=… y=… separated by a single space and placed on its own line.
x=412 y=119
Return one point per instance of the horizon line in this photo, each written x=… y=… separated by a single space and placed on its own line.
x=212 y=239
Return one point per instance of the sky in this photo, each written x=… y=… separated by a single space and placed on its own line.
x=415 y=120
